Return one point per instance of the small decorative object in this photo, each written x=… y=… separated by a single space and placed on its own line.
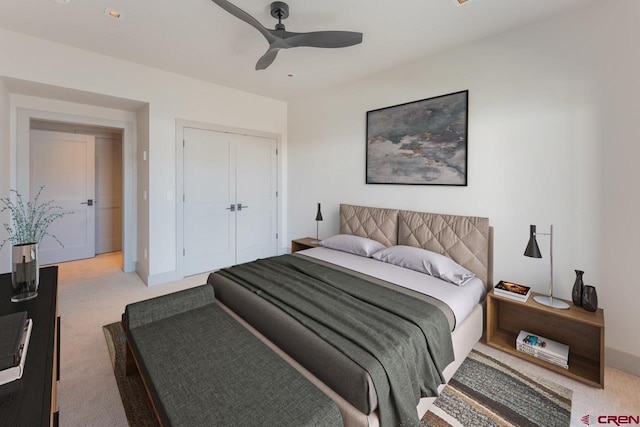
x=589 y=298
x=420 y=143
x=318 y=219
x=578 y=285
x=533 y=251
x=30 y=222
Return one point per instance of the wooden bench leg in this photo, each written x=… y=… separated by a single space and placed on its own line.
x=130 y=362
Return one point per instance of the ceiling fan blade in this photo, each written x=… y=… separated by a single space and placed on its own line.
x=326 y=39
x=267 y=59
x=244 y=16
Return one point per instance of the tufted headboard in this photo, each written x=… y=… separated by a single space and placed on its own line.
x=468 y=240
x=374 y=223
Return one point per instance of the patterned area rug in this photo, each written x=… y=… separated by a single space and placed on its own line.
x=136 y=404
x=483 y=392
x=486 y=392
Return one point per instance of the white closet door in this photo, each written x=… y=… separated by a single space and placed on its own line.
x=209 y=191
x=64 y=163
x=256 y=178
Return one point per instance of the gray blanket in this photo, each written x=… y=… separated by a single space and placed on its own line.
x=404 y=343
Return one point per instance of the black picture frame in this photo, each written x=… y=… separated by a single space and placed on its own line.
x=420 y=142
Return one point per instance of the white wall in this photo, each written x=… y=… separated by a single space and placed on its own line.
x=552 y=139
x=169 y=96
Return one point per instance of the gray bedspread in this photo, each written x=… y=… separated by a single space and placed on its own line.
x=404 y=343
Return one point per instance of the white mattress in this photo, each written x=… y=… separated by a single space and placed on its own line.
x=461 y=299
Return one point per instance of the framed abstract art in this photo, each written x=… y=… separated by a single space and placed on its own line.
x=419 y=143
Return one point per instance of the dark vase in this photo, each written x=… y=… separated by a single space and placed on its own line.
x=589 y=298
x=578 y=285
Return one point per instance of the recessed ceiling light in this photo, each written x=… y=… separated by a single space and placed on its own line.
x=62 y=1
x=112 y=13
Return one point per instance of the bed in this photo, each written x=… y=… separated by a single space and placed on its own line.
x=465 y=240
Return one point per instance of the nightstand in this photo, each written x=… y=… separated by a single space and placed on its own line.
x=303 y=243
x=581 y=330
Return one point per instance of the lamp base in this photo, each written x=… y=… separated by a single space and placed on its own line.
x=315 y=242
x=551 y=302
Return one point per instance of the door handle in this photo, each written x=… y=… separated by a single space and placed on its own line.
x=88 y=202
x=232 y=208
x=240 y=206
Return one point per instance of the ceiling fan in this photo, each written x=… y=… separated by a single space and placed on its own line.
x=279 y=38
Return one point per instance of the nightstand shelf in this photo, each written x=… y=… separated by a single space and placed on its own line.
x=303 y=243
x=581 y=330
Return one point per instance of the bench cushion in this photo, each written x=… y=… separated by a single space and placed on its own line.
x=203 y=368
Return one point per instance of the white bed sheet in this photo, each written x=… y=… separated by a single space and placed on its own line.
x=461 y=299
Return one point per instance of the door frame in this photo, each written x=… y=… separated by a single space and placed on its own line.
x=180 y=126
x=21 y=177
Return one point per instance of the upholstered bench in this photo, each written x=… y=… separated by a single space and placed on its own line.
x=202 y=368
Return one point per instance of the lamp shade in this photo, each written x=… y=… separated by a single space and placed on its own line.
x=532 y=250
x=319 y=214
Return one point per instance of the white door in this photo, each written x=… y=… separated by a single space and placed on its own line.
x=230 y=202
x=256 y=201
x=209 y=193
x=64 y=164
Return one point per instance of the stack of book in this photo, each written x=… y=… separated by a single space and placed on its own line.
x=543 y=348
x=512 y=290
x=15 y=332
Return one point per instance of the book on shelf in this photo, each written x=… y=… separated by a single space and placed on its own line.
x=544 y=356
x=15 y=372
x=512 y=290
x=543 y=348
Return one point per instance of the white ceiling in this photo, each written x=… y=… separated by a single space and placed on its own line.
x=197 y=38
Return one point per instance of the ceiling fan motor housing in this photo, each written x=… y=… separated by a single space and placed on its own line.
x=279 y=10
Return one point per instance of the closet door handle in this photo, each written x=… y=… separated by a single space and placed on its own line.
x=232 y=208
x=240 y=206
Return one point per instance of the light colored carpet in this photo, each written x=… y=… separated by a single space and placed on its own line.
x=93 y=293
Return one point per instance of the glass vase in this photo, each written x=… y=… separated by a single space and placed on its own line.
x=25 y=275
x=578 y=286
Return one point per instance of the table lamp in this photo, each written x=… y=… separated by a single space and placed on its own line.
x=533 y=251
x=318 y=219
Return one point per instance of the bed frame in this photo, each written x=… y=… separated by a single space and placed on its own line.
x=467 y=240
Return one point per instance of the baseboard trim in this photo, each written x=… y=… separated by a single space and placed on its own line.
x=622 y=360
x=157 y=279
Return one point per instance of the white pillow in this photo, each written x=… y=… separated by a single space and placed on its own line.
x=427 y=262
x=353 y=244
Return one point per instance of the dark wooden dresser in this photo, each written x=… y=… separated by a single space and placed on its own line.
x=31 y=400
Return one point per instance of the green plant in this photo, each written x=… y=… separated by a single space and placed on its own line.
x=30 y=220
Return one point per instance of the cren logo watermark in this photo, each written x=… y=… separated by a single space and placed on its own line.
x=617 y=420
x=589 y=419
